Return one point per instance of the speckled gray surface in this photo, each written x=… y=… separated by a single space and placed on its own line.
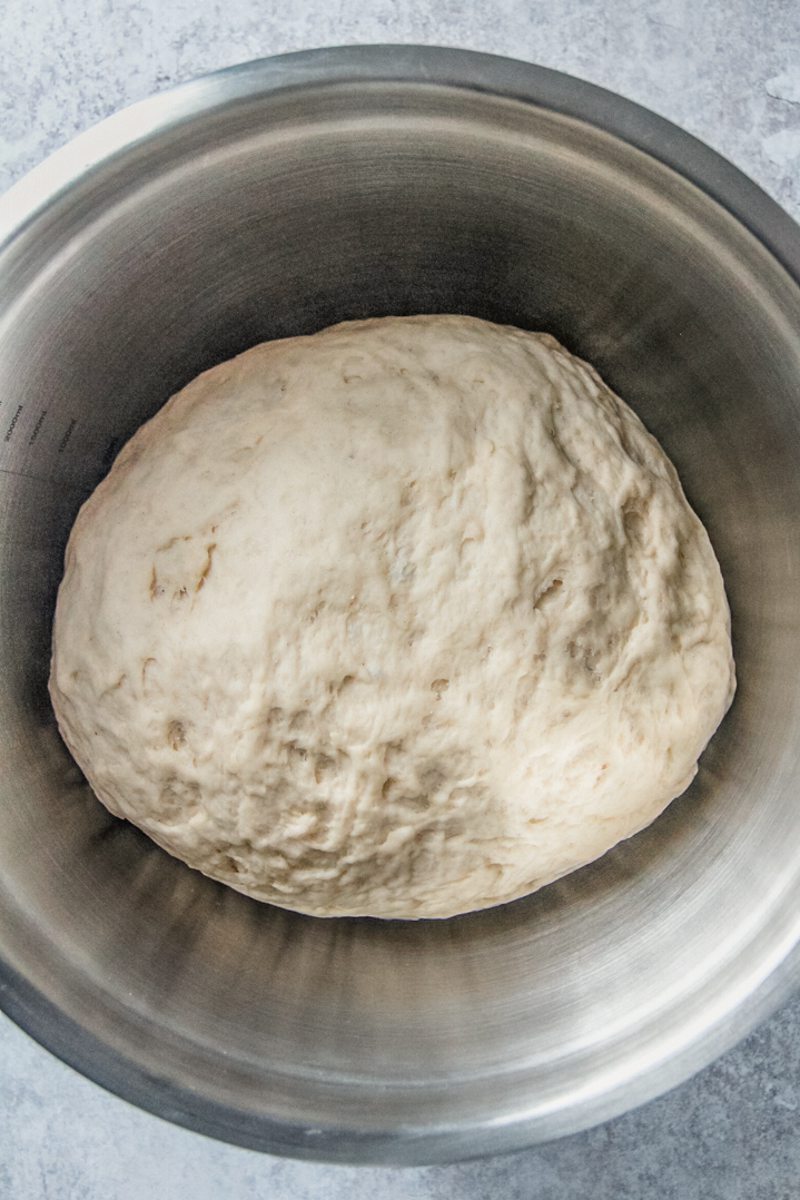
x=728 y=71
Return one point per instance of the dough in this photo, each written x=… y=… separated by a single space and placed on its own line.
x=406 y=618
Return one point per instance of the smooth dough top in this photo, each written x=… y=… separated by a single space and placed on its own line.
x=405 y=618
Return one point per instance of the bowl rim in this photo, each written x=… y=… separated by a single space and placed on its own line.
x=770 y=982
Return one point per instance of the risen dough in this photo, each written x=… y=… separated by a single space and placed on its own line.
x=406 y=618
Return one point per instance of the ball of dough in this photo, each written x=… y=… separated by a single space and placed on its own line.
x=406 y=618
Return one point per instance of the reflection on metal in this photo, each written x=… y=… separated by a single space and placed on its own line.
x=274 y=199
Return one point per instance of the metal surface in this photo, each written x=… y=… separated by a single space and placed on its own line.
x=274 y=199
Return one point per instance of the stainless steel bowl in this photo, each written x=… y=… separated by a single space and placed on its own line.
x=273 y=199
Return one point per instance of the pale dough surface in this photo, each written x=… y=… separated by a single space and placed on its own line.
x=406 y=618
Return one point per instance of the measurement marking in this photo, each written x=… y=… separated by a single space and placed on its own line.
x=14 y=420
x=37 y=427
x=62 y=445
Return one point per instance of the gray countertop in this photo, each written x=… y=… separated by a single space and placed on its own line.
x=728 y=71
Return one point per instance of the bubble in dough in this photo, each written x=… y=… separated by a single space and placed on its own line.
x=405 y=618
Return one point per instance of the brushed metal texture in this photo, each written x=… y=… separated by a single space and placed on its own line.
x=273 y=199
